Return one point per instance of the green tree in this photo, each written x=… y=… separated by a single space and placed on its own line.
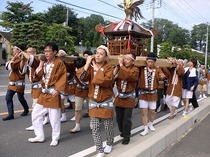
x=37 y=17
x=198 y=36
x=179 y=36
x=58 y=14
x=87 y=27
x=29 y=34
x=17 y=12
x=88 y=45
x=165 y=50
x=61 y=35
x=169 y=32
x=164 y=27
x=182 y=53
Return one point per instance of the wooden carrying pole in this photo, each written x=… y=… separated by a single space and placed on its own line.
x=113 y=60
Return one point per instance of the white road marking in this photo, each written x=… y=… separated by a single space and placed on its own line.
x=92 y=149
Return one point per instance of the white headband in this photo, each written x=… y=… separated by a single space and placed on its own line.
x=105 y=49
x=61 y=51
x=18 y=48
x=128 y=55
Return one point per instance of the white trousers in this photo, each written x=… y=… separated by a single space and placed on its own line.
x=34 y=102
x=37 y=120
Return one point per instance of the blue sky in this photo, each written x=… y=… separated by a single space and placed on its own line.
x=185 y=13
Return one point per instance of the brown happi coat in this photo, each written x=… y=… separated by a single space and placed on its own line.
x=104 y=79
x=58 y=79
x=142 y=86
x=130 y=75
x=34 y=76
x=161 y=82
x=177 y=91
x=83 y=93
x=15 y=75
x=70 y=87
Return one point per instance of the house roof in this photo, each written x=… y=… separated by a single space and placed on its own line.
x=6 y=35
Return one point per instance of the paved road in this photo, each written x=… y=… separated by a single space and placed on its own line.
x=13 y=136
x=194 y=144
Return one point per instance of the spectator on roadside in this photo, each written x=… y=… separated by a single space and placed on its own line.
x=202 y=81
x=190 y=83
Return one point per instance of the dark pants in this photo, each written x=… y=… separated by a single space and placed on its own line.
x=194 y=100
x=160 y=93
x=123 y=117
x=9 y=100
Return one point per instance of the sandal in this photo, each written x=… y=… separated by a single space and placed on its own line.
x=171 y=117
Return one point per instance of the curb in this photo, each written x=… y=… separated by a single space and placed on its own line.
x=167 y=133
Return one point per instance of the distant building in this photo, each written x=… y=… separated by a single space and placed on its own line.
x=5 y=38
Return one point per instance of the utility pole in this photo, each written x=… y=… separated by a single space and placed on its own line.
x=159 y=3
x=67 y=16
x=206 y=54
x=153 y=25
x=67 y=20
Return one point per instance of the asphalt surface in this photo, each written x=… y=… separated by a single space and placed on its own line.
x=196 y=143
x=13 y=136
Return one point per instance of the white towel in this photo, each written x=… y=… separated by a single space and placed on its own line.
x=192 y=71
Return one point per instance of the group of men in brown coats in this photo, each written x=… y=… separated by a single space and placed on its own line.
x=94 y=79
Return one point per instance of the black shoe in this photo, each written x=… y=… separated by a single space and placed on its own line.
x=86 y=115
x=9 y=117
x=25 y=113
x=125 y=141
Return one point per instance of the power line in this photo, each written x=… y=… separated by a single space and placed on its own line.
x=88 y=9
x=110 y=5
x=180 y=6
x=196 y=11
x=88 y=13
x=191 y=10
x=174 y=13
x=47 y=2
x=177 y=15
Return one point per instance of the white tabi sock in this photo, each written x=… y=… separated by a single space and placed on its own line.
x=151 y=127
x=146 y=131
